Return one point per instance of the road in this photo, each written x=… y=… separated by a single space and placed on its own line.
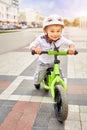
x=21 y=38
x=17 y=39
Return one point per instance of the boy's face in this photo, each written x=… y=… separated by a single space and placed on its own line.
x=54 y=32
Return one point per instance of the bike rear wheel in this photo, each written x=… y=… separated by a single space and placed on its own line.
x=61 y=103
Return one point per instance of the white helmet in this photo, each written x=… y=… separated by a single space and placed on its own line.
x=53 y=19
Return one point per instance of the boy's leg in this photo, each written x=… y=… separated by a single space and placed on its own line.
x=39 y=74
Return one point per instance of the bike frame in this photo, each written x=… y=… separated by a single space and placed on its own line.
x=55 y=77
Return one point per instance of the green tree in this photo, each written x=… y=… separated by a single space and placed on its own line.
x=66 y=22
x=76 y=22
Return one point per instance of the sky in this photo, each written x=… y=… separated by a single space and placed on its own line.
x=66 y=8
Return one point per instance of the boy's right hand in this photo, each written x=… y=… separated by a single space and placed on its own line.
x=37 y=50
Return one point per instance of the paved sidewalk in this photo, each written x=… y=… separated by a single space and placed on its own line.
x=24 y=108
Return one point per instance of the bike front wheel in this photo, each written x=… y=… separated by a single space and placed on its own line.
x=61 y=103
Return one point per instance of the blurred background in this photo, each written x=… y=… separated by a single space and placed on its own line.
x=23 y=14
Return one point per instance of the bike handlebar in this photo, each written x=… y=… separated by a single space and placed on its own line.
x=54 y=52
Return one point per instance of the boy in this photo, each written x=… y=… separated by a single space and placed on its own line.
x=52 y=27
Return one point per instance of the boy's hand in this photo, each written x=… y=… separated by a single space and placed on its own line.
x=38 y=50
x=71 y=50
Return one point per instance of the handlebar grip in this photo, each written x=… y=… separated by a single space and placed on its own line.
x=76 y=52
x=33 y=52
x=43 y=52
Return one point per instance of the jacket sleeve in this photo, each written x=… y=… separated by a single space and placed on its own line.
x=66 y=41
x=35 y=43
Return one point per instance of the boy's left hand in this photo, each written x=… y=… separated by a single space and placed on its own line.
x=71 y=50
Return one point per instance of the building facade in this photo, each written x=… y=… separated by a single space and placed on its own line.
x=9 y=11
x=83 y=22
x=31 y=17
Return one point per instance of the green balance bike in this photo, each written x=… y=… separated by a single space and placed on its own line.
x=54 y=82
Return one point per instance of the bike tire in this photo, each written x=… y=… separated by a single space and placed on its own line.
x=61 y=103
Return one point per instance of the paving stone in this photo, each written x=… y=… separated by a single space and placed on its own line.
x=83 y=116
x=5 y=108
x=76 y=81
x=73 y=108
x=36 y=99
x=4 y=84
x=1 y=91
x=24 y=88
x=25 y=98
x=14 y=97
x=30 y=70
x=73 y=116
x=80 y=89
x=54 y=124
x=40 y=128
x=7 y=77
x=4 y=112
x=55 y=129
x=42 y=119
x=45 y=107
x=5 y=81
x=17 y=64
x=9 y=103
x=74 y=70
x=21 y=116
x=83 y=109
x=77 y=99
x=2 y=102
x=84 y=125
x=41 y=92
x=72 y=125
x=47 y=100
